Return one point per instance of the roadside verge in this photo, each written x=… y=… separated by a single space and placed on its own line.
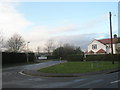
x=36 y=73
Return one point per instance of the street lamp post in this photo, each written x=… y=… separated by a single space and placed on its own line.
x=110 y=15
x=27 y=52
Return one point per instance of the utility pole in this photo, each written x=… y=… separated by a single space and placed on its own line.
x=110 y=15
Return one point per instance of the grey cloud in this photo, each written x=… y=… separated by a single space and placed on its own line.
x=81 y=40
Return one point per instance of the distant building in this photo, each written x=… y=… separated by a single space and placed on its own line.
x=103 y=46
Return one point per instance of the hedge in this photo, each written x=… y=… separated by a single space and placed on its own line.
x=51 y=57
x=103 y=57
x=31 y=57
x=12 y=57
x=75 y=57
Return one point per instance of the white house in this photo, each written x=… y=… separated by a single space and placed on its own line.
x=102 y=46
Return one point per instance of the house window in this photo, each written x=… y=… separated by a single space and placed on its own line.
x=94 y=46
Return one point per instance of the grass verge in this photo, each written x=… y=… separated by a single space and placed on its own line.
x=80 y=67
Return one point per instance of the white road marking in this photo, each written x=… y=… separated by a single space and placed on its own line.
x=115 y=81
x=78 y=80
x=90 y=89
x=89 y=83
x=36 y=79
x=24 y=74
x=39 y=64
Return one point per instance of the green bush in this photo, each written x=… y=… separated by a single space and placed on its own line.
x=75 y=57
x=102 y=57
x=51 y=57
x=31 y=57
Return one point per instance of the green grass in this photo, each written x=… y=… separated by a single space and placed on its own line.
x=79 y=67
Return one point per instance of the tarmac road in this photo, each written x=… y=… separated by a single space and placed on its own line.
x=12 y=78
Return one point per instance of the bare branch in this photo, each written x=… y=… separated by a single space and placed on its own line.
x=49 y=46
x=16 y=43
x=1 y=41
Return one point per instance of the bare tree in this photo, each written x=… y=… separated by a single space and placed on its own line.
x=1 y=38
x=38 y=50
x=49 y=46
x=1 y=41
x=59 y=44
x=16 y=43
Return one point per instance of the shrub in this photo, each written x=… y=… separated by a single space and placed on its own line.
x=12 y=57
x=31 y=57
x=51 y=57
x=75 y=57
x=102 y=57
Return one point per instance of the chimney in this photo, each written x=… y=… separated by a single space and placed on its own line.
x=115 y=36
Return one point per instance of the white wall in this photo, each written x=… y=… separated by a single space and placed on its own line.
x=114 y=51
x=99 y=46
